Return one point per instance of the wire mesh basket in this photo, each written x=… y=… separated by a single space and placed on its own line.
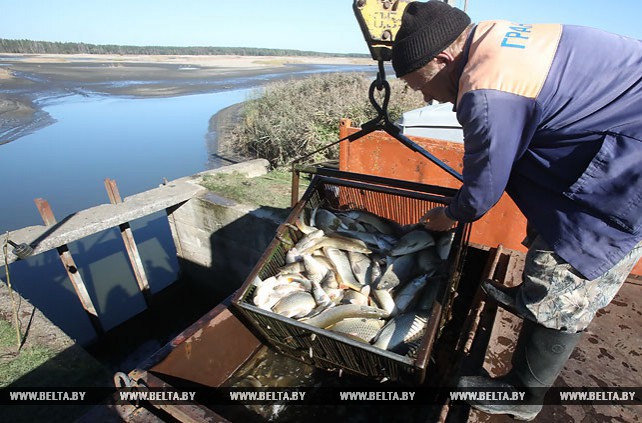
x=398 y=201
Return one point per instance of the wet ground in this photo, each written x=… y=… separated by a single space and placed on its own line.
x=28 y=81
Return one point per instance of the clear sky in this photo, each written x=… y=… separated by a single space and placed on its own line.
x=325 y=26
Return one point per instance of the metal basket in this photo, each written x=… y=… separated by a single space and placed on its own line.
x=399 y=201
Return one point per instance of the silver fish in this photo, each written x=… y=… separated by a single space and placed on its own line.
x=313 y=214
x=287 y=288
x=302 y=226
x=263 y=289
x=402 y=330
x=342 y=266
x=398 y=272
x=335 y=294
x=444 y=243
x=308 y=239
x=341 y=243
x=385 y=243
x=292 y=256
x=409 y=293
x=350 y=223
x=375 y=240
x=296 y=305
x=381 y=225
x=327 y=221
x=266 y=302
x=315 y=270
x=294 y=278
x=374 y=273
x=330 y=280
x=336 y=314
x=354 y=297
x=294 y=267
x=413 y=241
x=361 y=328
x=360 y=265
x=320 y=296
x=365 y=290
x=384 y=300
x=320 y=256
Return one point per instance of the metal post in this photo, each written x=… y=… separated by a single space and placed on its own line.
x=295 y=186
x=130 y=244
x=71 y=268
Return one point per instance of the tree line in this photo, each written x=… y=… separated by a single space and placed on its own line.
x=55 y=47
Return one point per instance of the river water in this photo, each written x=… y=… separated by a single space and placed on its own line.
x=136 y=142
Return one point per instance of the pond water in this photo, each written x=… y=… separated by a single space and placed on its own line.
x=136 y=142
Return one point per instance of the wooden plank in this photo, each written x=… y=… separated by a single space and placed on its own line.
x=70 y=267
x=130 y=244
x=96 y=219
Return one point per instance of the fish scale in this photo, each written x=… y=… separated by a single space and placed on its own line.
x=403 y=329
x=412 y=242
x=362 y=328
x=295 y=305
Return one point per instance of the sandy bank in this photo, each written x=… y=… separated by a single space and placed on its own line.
x=218 y=61
x=25 y=78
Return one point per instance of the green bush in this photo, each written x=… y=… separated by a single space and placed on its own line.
x=288 y=119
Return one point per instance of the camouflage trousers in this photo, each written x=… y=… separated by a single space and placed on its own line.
x=557 y=296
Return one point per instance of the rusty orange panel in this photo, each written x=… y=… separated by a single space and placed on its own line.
x=380 y=154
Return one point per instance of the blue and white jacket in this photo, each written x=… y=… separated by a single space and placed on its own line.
x=552 y=114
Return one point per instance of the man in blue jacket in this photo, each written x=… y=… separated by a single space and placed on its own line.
x=552 y=114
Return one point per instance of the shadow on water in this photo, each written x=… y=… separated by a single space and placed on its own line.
x=106 y=272
x=235 y=248
x=133 y=331
x=185 y=308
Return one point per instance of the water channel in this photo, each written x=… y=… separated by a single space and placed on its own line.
x=136 y=142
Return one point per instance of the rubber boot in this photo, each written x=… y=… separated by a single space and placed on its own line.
x=539 y=357
x=505 y=296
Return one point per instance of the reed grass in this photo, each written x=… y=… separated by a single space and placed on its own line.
x=288 y=119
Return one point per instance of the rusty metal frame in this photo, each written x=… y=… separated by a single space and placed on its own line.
x=190 y=412
x=381 y=122
x=142 y=377
x=70 y=267
x=130 y=244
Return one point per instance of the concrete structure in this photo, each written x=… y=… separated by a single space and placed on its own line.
x=216 y=239
x=95 y=219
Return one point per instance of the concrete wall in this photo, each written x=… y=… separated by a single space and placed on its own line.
x=218 y=241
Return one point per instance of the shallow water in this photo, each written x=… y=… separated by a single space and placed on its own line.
x=135 y=141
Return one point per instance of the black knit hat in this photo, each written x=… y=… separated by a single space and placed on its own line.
x=426 y=30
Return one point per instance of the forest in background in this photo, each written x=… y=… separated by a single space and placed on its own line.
x=51 y=47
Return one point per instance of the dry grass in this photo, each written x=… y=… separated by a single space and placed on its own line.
x=271 y=190
x=291 y=118
x=14 y=365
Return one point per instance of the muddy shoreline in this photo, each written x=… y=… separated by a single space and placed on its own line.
x=27 y=82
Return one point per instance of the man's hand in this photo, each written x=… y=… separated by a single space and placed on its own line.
x=436 y=219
